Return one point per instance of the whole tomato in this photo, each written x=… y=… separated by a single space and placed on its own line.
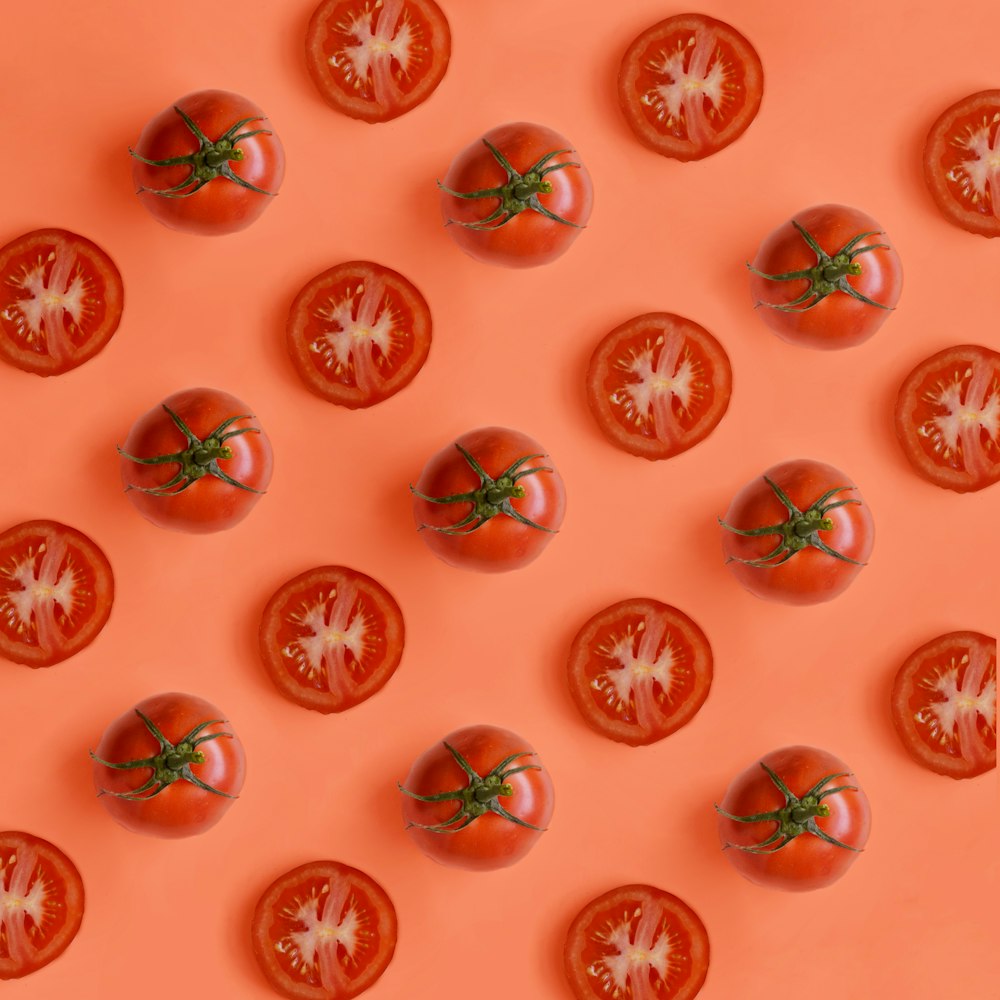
x=209 y=164
x=170 y=767
x=490 y=501
x=795 y=819
x=197 y=462
x=477 y=800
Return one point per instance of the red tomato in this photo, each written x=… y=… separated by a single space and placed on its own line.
x=323 y=931
x=56 y=592
x=377 y=61
x=658 y=385
x=944 y=704
x=331 y=637
x=478 y=800
x=209 y=164
x=486 y=503
x=688 y=86
x=196 y=462
x=638 y=942
x=960 y=163
x=639 y=670
x=170 y=767
x=794 y=820
x=948 y=418
x=799 y=534
x=41 y=903
x=828 y=278
x=61 y=299
x=517 y=197
x=358 y=333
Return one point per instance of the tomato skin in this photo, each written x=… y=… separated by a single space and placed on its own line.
x=838 y=320
x=806 y=862
x=221 y=206
x=182 y=809
x=529 y=239
x=490 y=841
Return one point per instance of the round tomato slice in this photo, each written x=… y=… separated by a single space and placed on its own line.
x=948 y=418
x=56 y=591
x=41 y=903
x=358 y=333
x=944 y=704
x=61 y=300
x=376 y=61
x=639 y=670
x=689 y=86
x=323 y=931
x=331 y=637
x=638 y=942
x=658 y=385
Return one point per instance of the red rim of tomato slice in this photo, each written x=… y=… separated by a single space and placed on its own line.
x=324 y=931
x=689 y=86
x=41 y=903
x=358 y=333
x=948 y=418
x=56 y=592
x=658 y=385
x=636 y=941
x=61 y=299
x=377 y=61
x=331 y=637
x=944 y=704
x=960 y=155
x=639 y=670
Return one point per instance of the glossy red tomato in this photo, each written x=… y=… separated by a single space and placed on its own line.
x=688 y=86
x=960 y=163
x=61 y=300
x=358 y=333
x=490 y=501
x=828 y=278
x=796 y=819
x=517 y=197
x=169 y=767
x=56 y=592
x=944 y=704
x=478 y=800
x=209 y=164
x=639 y=942
x=798 y=534
x=639 y=670
x=948 y=418
x=41 y=903
x=658 y=384
x=376 y=61
x=197 y=462
x=331 y=637
x=323 y=931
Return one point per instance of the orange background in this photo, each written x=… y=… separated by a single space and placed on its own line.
x=848 y=98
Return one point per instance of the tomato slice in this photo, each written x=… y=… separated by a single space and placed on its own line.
x=358 y=333
x=56 y=591
x=331 y=637
x=639 y=670
x=41 y=903
x=948 y=418
x=962 y=163
x=376 y=61
x=636 y=942
x=658 y=385
x=689 y=86
x=61 y=299
x=324 y=931
x=944 y=704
